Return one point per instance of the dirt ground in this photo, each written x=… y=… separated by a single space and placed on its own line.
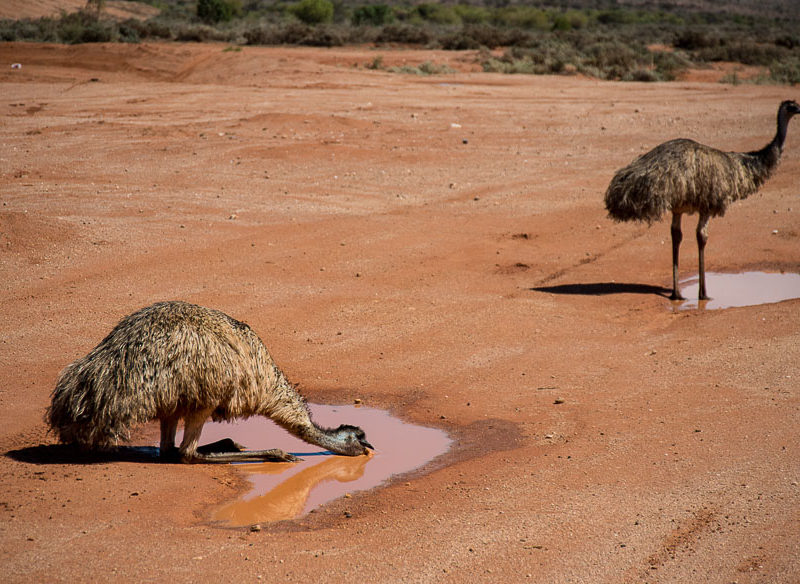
x=434 y=246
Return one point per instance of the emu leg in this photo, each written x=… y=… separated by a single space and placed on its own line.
x=677 y=236
x=702 y=238
x=169 y=426
x=193 y=427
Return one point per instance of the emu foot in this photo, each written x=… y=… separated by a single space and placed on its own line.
x=676 y=296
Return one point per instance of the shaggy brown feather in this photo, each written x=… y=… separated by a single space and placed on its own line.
x=684 y=174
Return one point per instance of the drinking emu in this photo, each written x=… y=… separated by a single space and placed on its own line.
x=683 y=176
x=176 y=360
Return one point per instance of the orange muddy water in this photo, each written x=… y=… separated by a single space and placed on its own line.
x=288 y=490
x=745 y=289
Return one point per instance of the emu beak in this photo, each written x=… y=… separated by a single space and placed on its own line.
x=366 y=444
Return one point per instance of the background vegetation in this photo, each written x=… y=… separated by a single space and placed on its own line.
x=609 y=39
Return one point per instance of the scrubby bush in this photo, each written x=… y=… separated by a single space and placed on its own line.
x=484 y=35
x=604 y=42
x=438 y=13
x=292 y=33
x=641 y=75
x=472 y=14
x=522 y=17
x=788 y=41
x=669 y=64
x=746 y=52
x=313 y=11
x=199 y=33
x=323 y=36
x=214 y=11
x=613 y=58
x=84 y=26
x=426 y=68
x=694 y=39
x=373 y=14
x=404 y=34
x=157 y=28
x=786 y=72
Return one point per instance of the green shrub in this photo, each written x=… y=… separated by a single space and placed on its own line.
x=669 y=64
x=405 y=34
x=374 y=14
x=613 y=57
x=154 y=28
x=196 y=33
x=214 y=11
x=788 y=41
x=313 y=11
x=695 y=39
x=786 y=72
x=438 y=13
x=641 y=75
x=84 y=26
x=292 y=33
x=129 y=31
x=323 y=36
x=618 y=16
x=522 y=17
x=484 y=35
x=745 y=52
x=472 y=14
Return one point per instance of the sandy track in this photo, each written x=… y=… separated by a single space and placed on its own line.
x=414 y=242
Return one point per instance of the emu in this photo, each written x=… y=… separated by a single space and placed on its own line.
x=175 y=360
x=683 y=176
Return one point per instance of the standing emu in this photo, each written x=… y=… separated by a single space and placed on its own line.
x=683 y=176
x=175 y=360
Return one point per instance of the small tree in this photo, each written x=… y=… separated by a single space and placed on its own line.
x=313 y=11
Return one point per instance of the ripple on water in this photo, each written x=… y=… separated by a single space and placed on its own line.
x=288 y=490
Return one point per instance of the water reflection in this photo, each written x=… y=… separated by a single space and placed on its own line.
x=289 y=499
x=287 y=490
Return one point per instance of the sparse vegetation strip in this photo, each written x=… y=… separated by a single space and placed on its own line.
x=600 y=38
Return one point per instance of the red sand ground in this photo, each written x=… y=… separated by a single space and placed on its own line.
x=386 y=235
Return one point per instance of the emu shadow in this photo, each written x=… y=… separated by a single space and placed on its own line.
x=71 y=454
x=603 y=289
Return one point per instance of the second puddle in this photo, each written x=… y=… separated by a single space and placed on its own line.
x=288 y=490
x=745 y=289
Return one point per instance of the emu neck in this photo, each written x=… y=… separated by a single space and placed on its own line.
x=769 y=156
x=780 y=135
x=322 y=437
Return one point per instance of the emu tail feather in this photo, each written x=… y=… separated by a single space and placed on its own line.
x=630 y=197
x=83 y=410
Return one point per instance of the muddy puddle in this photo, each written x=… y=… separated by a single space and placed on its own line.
x=745 y=289
x=289 y=490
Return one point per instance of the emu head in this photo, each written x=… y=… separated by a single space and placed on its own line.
x=351 y=440
x=790 y=108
